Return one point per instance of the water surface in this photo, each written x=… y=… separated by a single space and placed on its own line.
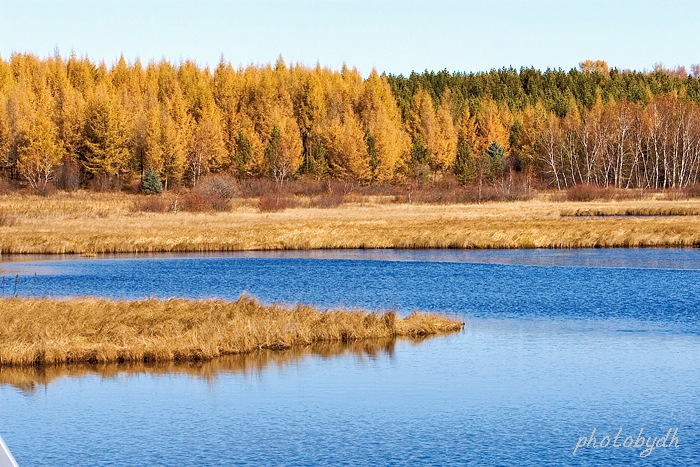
x=557 y=343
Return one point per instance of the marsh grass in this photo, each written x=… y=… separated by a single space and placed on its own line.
x=7 y=219
x=90 y=330
x=636 y=211
x=81 y=223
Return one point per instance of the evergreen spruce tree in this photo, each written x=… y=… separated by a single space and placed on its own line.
x=151 y=184
x=496 y=157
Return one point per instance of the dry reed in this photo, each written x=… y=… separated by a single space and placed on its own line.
x=90 y=330
x=106 y=223
x=654 y=210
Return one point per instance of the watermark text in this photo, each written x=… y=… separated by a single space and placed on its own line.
x=646 y=444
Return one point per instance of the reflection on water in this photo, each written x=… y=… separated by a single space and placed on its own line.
x=28 y=379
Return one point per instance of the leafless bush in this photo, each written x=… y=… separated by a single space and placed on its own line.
x=308 y=187
x=151 y=204
x=585 y=192
x=5 y=187
x=272 y=202
x=692 y=191
x=196 y=201
x=449 y=191
x=379 y=189
x=219 y=185
x=105 y=183
x=254 y=187
x=45 y=190
x=213 y=193
x=327 y=200
x=68 y=175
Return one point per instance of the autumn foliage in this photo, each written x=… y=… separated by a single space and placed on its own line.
x=72 y=122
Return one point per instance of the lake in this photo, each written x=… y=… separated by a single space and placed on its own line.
x=557 y=343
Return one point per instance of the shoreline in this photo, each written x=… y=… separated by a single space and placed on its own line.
x=44 y=332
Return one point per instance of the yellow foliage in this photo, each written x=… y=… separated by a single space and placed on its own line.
x=443 y=155
x=207 y=151
x=381 y=119
x=343 y=140
x=492 y=126
x=283 y=154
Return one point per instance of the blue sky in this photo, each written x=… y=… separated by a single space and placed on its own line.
x=392 y=35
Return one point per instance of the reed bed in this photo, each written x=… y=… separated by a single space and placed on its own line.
x=90 y=330
x=653 y=210
x=92 y=224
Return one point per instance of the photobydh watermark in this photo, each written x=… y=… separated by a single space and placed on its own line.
x=642 y=442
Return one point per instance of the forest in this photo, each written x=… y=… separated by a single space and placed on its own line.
x=73 y=123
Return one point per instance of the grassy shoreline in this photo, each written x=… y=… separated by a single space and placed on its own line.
x=38 y=332
x=82 y=223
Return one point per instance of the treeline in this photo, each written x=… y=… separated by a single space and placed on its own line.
x=75 y=123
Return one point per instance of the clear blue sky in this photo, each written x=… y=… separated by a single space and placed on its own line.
x=392 y=35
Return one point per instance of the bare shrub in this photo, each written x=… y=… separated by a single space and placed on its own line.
x=692 y=191
x=68 y=175
x=627 y=194
x=196 y=202
x=218 y=203
x=219 y=185
x=213 y=193
x=45 y=190
x=254 y=187
x=105 y=183
x=5 y=187
x=519 y=190
x=278 y=202
x=674 y=194
x=585 y=192
x=449 y=191
x=308 y=187
x=327 y=200
x=379 y=189
x=151 y=204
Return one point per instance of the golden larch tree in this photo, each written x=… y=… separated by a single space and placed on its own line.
x=207 y=150
x=106 y=136
x=38 y=150
x=381 y=120
x=283 y=151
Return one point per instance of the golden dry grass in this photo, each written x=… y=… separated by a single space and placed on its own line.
x=657 y=209
x=27 y=378
x=52 y=331
x=106 y=223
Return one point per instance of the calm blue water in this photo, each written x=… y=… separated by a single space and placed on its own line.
x=557 y=343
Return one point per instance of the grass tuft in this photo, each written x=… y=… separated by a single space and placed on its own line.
x=39 y=332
